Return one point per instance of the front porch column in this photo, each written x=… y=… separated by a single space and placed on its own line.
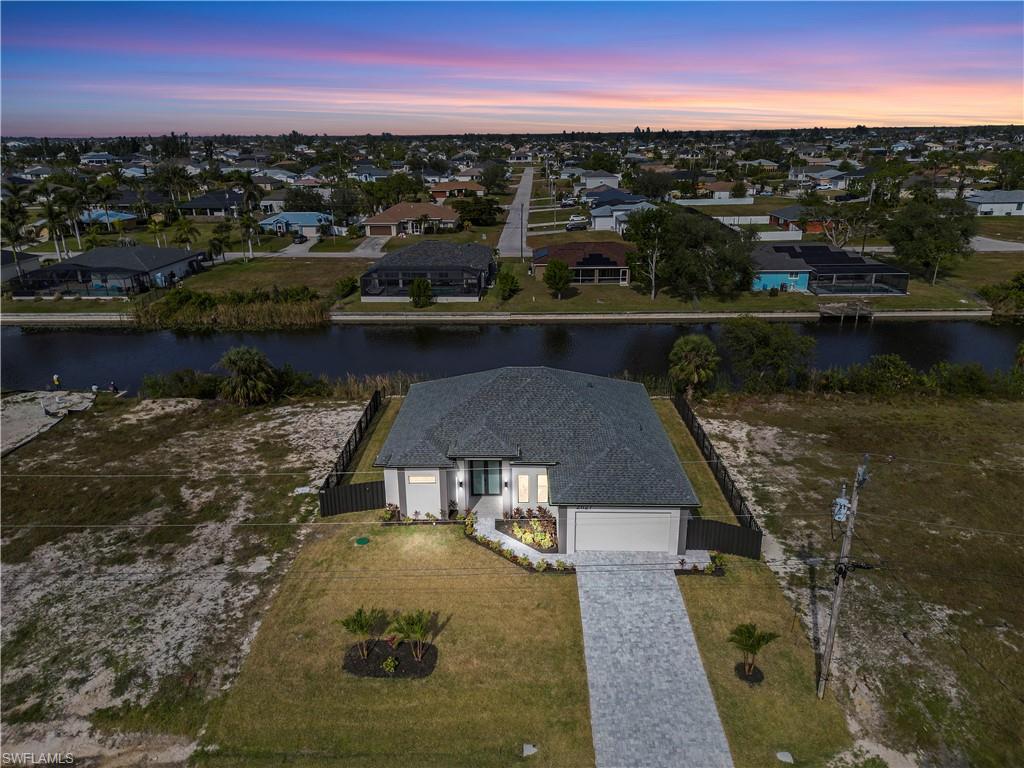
x=561 y=527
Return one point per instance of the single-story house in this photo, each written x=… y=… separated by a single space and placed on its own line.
x=96 y=158
x=223 y=202
x=593 y=179
x=306 y=223
x=614 y=218
x=824 y=270
x=412 y=219
x=794 y=217
x=114 y=271
x=447 y=189
x=998 y=202
x=456 y=272
x=368 y=173
x=128 y=200
x=598 y=262
x=521 y=156
x=720 y=190
x=469 y=174
x=598 y=197
x=568 y=171
x=273 y=202
x=37 y=172
x=429 y=176
x=589 y=449
x=267 y=182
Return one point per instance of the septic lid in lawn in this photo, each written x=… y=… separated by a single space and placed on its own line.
x=362 y=541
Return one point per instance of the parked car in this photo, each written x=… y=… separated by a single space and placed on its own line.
x=577 y=217
x=823 y=187
x=299 y=239
x=568 y=202
x=576 y=226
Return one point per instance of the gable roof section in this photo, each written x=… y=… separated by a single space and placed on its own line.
x=600 y=437
x=436 y=254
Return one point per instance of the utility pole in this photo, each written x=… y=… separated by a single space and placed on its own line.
x=843 y=510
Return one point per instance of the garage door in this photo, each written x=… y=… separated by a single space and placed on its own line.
x=617 y=531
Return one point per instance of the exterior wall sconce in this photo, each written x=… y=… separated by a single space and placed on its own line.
x=506 y=483
x=460 y=483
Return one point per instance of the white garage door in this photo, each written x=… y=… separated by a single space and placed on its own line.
x=623 y=531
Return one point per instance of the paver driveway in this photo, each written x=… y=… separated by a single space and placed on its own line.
x=650 y=702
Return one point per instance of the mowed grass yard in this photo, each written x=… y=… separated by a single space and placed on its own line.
x=774 y=716
x=284 y=272
x=510 y=667
x=1002 y=227
x=930 y=640
x=484 y=235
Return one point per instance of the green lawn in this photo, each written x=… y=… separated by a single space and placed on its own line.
x=336 y=245
x=772 y=717
x=268 y=271
x=760 y=207
x=362 y=463
x=510 y=667
x=927 y=636
x=1002 y=227
x=557 y=216
x=10 y=306
x=583 y=236
x=486 y=235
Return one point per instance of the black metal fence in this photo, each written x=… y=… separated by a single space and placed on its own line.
x=336 y=498
x=730 y=539
x=352 y=498
x=729 y=489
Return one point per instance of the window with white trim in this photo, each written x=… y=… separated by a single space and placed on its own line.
x=542 y=489
x=523 y=488
x=421 y=479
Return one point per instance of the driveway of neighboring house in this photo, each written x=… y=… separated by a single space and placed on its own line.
x=510 y=241
x=650 y=702
x=372 y=247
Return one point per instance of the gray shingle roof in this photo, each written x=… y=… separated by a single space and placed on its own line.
x=997 y=196
x=601 y=437
x=436 y=254
x=131 y=259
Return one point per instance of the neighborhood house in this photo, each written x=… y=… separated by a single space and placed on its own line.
x=588 y=448
x=456 y=272
x=114 y=270
x=599 y=262
x=307 y=223
x=412 y=219
x=821 y=269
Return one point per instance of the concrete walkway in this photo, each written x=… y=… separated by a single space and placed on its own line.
x=510 y=241
x=650 y=702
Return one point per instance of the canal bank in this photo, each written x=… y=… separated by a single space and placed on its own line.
x=107 y=319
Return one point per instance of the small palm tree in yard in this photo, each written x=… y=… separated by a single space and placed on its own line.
x=252 y=378
x=365 y=625
x=413 y=627
x=693 y=362
x=185 y=232
x=751 y=642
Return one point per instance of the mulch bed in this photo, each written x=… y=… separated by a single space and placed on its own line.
x=407 y=667
x=505 y=526
x=718 y=571
x=756 y=676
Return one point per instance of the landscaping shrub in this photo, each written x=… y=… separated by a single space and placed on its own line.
x=506 y=284
x=1006 y=298
x=346 y=286
x=184 y=383
x=420 y=292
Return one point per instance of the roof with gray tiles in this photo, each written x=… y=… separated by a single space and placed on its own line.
x=601 y=437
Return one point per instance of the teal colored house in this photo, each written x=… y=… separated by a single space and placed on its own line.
x=780 y=270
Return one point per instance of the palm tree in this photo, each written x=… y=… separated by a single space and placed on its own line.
x=248 y=226
x=413 y=627
x=11 y=223
x=54 y=219
x=251 y=194
x=693 y=361
x=215 y=247
x=73 y=200
x=751 y=642
x=93 y=239
x=154 y=228
x=103 y=194
x=135 y=185
x=252 y=378
x=366 y=626
x=185 y=231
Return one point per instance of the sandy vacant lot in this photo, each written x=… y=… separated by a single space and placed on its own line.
x=134 y=580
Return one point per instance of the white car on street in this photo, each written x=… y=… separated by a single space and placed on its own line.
x=577 y=217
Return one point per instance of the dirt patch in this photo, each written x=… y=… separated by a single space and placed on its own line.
x=163 y=605
x=28 y=414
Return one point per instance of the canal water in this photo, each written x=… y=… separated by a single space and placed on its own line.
x=29 y=358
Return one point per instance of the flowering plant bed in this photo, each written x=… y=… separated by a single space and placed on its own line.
x=403 y=663
x=527 y=535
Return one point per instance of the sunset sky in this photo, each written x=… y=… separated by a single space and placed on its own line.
x=96 y=69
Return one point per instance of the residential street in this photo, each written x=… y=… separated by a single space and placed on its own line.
x=650 y=701
x=510 y=243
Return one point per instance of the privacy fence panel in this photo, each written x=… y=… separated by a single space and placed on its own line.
x=724 y=479
x=726 y=538
x=335 y=497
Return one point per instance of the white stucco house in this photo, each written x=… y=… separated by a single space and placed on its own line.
x=593 y=179
x=997 y=202
x=590 y=449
